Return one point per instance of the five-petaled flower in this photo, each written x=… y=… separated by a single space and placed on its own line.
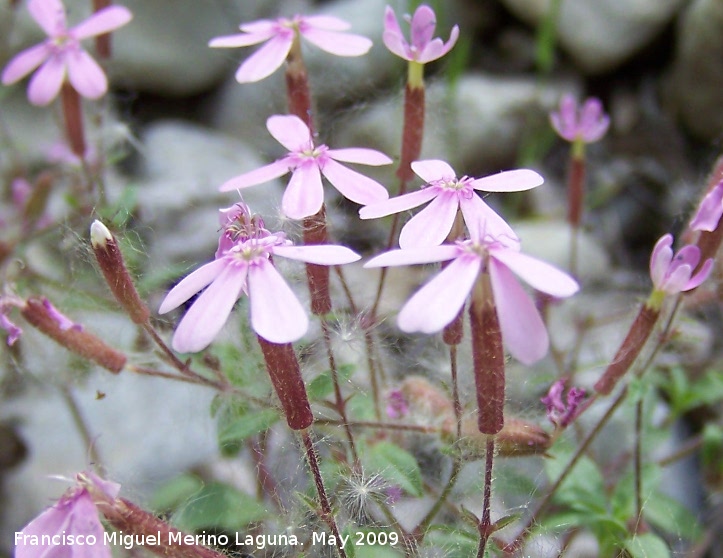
x=672 y=274
x=61 y=53
x=710 y=211
x=587 y=124
x=448 y=194
x=326 y=32
x=439 y=301
x=245 y=266
x=422 y=48
x=73 y=518
x=304 y=195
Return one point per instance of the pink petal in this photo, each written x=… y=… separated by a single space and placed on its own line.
x=46 y=82
x=276 y=313
x=703 y=273
x=192 y=284
x=396 y=44
x=436 y=49
x=268 y=27
x=391 y=23
x=484 y=222
x=266 y=60
x=538 y=274
x=439 y=301
x=676 y=279
x=433 y=169
x=290 y=131
x=241 y=39
x=49 y=14
x=209 y=312
x=422 y=27
x=326 y=254
x=430 y=226
x=304 y=194
x=103 y=21
x=352 y=185
x=509 y=181
x=340 y=44
x=710 y=210
x=522 y=328
x=427 y=255
x=360 y=155
x=660 y=259
x=687 y=255
x=330 y=23
x=398 y=204
x=85 y=75
x=25 y=62
x=257 y=176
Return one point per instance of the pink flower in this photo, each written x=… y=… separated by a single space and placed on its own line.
x=710 y=210
x=14 y=332
x=559 y=413
x=71 y=528
x=439 y=301
x=326 y=32
x=587 y=124
x=448 y=194
x=423 y=48
x=61 y=52
x=304 y=195
x=246 y=267
x=672 y=274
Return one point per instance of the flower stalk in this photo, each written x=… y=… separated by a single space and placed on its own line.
x=73 y=118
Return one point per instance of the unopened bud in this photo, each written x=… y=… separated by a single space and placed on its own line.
x=77 y=341
x=518 y=438
x=116 y=274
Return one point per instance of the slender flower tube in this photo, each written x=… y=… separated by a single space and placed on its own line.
x=447 y=195
x=61 y=54
x=439 y=301
x=304 y=195
x=671 y=274
x=326 y=32
x=246 y=267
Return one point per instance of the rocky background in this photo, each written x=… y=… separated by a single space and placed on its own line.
x=184 y=126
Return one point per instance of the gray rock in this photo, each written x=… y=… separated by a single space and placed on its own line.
x=697 y=78
x=599 y=35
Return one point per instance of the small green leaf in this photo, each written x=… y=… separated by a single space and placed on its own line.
x=670 y=516
x=243 y=426
x=175 y=492
x=396 y=465
x=453 y=543
x=647 y=545
x=221 y=506
x=322 y=386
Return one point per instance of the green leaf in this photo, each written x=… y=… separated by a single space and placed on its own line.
x=221 y=506
x=175 y=492
x=647 y=545
x=583 y=489
x=232 y=434
x=454 y=543
x=322 y=386
x=396 y=465
x=670 y=516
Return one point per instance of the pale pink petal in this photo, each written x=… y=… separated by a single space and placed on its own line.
x=209 y=312
x=85 y=75
x=340 y=44
x=397 y=204
x=538 y=274
x=25 y=62
x=352 y=185
x=565 y=121
x=433 y=169
x=436 y=49
x=304 y=194
x=266 y=60
x=290 y=131
x=49 y=14
x=103 y=21
x=360 y=155
x=523 y=331
x=327 y=254
x=257 y=176
x=687 y=255
x=508 y=181
x=426 y=255
x=46 y=82
x=396 y=44
x=430 y=226
x=276 y=313
x=241 y=39
x=439 y=301
x=422 y=26
x=676 y=279
x=660 y=259
x=327 y=22
x=484 y=222
x=268 y=27
x=192 y=284
x=710 y=210
x=703 y=273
